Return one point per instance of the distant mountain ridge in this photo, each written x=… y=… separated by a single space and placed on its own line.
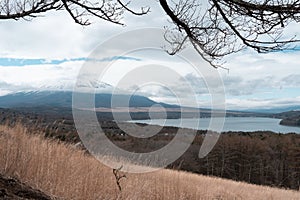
x=276 y=109
x=54 y=101
x=64 y=99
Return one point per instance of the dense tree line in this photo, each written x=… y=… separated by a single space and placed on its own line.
x=259 y=158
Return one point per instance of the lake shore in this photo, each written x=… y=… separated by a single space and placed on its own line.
x=246 y=124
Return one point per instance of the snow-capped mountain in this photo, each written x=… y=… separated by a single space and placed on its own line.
x=93 y=86
x=82 y=85
x=64 y=99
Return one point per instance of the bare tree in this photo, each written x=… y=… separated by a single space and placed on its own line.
x=118 y=177
x=215 y=28
x=227 y=26
x=79 y=10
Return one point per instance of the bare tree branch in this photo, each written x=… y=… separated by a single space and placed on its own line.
x=22 y=9
x=79 y=10
x=227 y=26
x=118 y=177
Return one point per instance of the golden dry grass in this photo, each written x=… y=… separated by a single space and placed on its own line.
x=63 y=171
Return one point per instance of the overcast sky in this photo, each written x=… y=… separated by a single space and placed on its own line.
x=48 y=52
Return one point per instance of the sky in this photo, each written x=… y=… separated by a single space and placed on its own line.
x=48 y=53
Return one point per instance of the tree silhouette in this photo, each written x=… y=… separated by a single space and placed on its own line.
x=227 y=26
x=79 y=10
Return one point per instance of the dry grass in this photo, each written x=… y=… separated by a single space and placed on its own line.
x=60 y=170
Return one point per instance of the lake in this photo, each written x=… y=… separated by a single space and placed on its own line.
x=231 y=124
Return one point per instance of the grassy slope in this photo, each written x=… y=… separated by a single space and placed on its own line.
x=61 y=170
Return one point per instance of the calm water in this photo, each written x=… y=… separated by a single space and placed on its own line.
x=231 y=124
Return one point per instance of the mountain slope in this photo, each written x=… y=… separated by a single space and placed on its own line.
x=64 y=99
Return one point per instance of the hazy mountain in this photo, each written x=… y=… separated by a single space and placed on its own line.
x=276 y=109
x=64 y=99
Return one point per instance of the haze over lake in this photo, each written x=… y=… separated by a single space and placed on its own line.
x=231 y=124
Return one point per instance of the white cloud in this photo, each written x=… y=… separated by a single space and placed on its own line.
x=39 y=76
x=235 y=103
x=56 y=35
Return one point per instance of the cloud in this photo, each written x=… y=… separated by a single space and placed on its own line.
x=237 y=86
x=39 y=76
x=53 y=76
x=57 y=36
x=24 y=62
x=6 y=88
x=244 y=104
x=233 y=85
x=292 y=80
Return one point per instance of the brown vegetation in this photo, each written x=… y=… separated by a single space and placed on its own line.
x=261 y=157
x=61 y=170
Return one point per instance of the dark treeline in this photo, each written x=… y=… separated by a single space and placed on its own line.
x=259 y=158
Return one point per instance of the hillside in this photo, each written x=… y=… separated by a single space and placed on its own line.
x=294 y=121
x=12 y=189
x=291 y=118
x=63 y=171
